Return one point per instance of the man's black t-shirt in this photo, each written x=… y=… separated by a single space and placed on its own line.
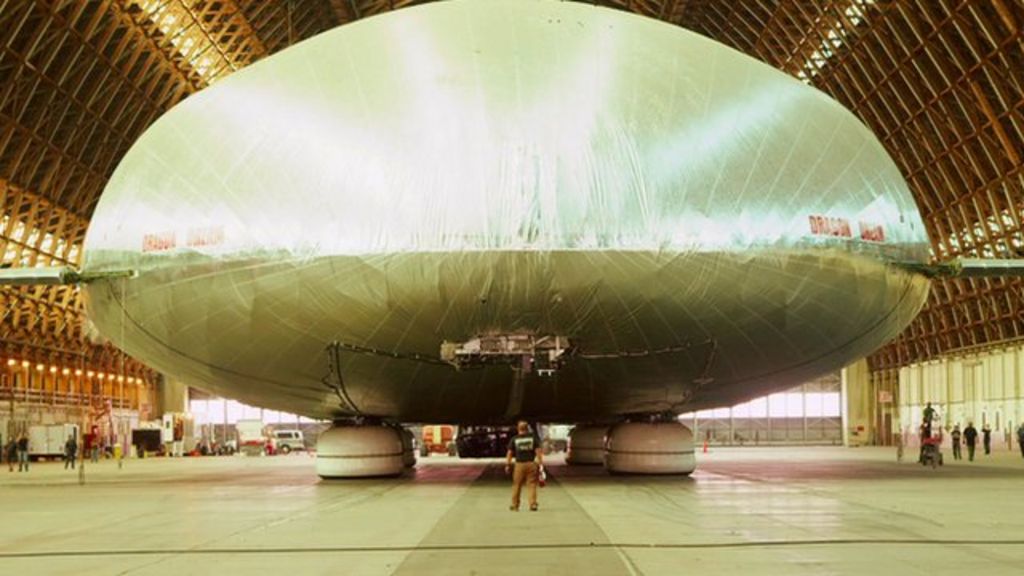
x=970 y=435
x=524 y=446
x=929 y=414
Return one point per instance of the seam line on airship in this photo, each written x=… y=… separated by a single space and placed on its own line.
x=956 y=268
x=58 y=276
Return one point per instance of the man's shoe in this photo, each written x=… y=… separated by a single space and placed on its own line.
x=514 y=508
x=533 y=507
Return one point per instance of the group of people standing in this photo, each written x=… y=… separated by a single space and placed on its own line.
x=17 y=450
x=967 y=437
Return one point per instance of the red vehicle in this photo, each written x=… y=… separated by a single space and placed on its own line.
x=931 y=452
x=439 y=439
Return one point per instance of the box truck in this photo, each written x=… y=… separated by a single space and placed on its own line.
x=47 y=440
x=252 y=437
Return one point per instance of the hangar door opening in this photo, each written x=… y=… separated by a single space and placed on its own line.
x=808 y=414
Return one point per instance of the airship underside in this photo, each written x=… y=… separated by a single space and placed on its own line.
x=645 y=331
x=478 y=211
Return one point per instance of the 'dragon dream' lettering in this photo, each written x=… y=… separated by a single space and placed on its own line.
x=159 y=242
x=829 y=226
x=872 y=232
x=200 y=237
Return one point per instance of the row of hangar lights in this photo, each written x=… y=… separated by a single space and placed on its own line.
x=12 y=363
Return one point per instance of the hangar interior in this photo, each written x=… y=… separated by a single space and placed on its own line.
x=82 y=80
x=939 y=82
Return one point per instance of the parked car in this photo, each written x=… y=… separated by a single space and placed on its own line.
x=483 y=441
x=286 y=441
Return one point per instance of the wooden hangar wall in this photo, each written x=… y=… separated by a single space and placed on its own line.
x=80 y=80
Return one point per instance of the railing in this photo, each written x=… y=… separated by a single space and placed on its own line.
x=57 y=398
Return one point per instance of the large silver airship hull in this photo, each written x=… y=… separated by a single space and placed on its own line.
x=310 y=231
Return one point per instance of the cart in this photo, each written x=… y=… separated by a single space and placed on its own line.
x=931 y=453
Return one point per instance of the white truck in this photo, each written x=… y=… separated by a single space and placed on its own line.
x=47 y=440
x=252 y=437
x=177 y=433
x=556 y=438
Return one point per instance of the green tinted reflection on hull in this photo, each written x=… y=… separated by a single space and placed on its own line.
x=259 y=330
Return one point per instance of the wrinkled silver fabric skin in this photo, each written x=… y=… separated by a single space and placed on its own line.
x=705 y=228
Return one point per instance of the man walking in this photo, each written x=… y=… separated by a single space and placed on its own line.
x=70 y=451
x=970 y=438
x=955 y=436
x=986 y=438
x=1020 y=438
x=23 y=453
x=12 y=453
x=525 y=449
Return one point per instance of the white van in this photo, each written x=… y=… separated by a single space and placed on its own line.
x=286 y=441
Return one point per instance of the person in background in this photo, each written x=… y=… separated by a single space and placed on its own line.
x=971 y=439
x=70 y=451
x=928 y=416
x=1020 y=438
x=924 y=433
x=528 y=453
x=986 y=438
x=955 y=436
x=12 y=453
x=23 y=453
x=94 y=449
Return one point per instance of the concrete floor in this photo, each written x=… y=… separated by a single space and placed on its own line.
x=746 y=510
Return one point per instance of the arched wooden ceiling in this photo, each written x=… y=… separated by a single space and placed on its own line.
x=941 y=82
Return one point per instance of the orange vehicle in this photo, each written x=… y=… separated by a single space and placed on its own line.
x=438 y=438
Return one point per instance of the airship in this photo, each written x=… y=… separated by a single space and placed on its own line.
x=478 y=212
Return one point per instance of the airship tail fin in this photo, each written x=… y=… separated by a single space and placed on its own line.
x=55 y=276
